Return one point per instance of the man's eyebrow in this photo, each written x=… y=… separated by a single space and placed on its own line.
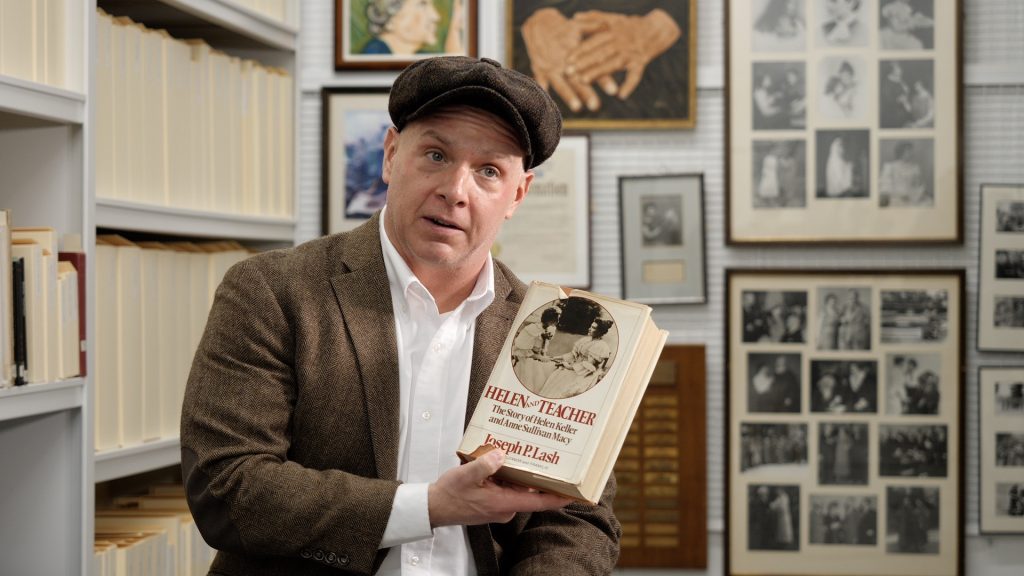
x=436 y=135
x=432 y=133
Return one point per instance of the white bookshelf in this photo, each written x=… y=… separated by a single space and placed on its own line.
x=43 y=398
x=139 y=217
x=123 y=462
x=50 y=467
x=33 y=100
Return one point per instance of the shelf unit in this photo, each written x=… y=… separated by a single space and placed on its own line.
x=46 y=428
x=47 y=156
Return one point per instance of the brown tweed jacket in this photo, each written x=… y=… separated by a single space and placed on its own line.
x=289 y=431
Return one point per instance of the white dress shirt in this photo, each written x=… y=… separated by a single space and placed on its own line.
x=435 y=352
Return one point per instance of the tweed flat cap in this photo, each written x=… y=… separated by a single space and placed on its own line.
x=432 y=83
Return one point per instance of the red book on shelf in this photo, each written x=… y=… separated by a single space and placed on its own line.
x=77 y=259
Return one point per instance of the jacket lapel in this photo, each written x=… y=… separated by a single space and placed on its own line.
x=361 y=290
x=492 y=327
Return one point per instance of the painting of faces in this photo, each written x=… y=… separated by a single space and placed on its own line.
x=778 y=317
x=906 y=175
x=906 y=94
x=779 y=97
x=912 y=383
x=842 y=93
x=779 y=26
x=844 y=318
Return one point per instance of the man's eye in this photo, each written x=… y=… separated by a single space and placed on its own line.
x=435 y=156
x=490 y=172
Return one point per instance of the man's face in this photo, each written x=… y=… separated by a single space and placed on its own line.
x=416 y=22
x=452 y=177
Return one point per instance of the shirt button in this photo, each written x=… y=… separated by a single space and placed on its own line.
x=425 y=415
x=438 y=347
x=414 y=560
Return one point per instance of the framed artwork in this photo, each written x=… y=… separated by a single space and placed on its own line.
x=610 y=63
x=391 y=34
x=662 y=227
x=662 y=470
x=1001 y=414
x=548 y=238
x=844 y=448
x=844 y=122
x=1001 y=268
x=355 y=122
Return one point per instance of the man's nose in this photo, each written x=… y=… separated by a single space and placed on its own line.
x=454 y=189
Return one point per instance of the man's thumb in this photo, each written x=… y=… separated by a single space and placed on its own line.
x=486 y=465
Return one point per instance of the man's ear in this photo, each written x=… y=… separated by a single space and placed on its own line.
x=521 y=191
x=390 y=149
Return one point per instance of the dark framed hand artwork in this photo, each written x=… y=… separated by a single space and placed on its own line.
x=610 y=63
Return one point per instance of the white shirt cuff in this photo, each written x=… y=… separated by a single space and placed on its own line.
x=410 y=519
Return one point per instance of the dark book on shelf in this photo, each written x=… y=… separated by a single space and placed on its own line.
x=20 y=335
x=77 y=259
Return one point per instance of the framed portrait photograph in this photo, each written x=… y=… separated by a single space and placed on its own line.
x=1001 y=268
x=844 y=122
x=355 y=122
x=662 y=228
x=662 y=472
x=548 y=238
x=391 y=34
x=844 y=430
x=610 y=64
x=1001 y=414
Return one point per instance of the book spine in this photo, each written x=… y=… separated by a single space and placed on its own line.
x=77 y=259
x=20 y=328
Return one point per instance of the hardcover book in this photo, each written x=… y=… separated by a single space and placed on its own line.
x=564 y=390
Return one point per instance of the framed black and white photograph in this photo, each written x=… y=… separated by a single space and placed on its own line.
x=1001 y=268
x=914 y=316
x=780 y=174
x=843 y=320
x=774 y=382
x=913 y=526
x=841 y=23
x=862 y=418
x=906 y=175
x=843 y=520
x=355 y=122
x=662 y=227
x=842 y=453
x=776 y=317
x=906 y=96
x=769 y=448
x=906 y=24
x=843 y=122
x=842 y=82
x=913 y=383
x=774 y=512
x=844 y=386
x=548 y=239
x=843 y=164
x=1001 y=439
x=778 y=26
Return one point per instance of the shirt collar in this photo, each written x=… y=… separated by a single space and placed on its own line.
x=401 y=277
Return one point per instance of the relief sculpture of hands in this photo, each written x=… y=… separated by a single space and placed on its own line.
x=617 y=42
x=550 y=37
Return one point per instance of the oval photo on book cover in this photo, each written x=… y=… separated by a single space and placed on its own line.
x=565 y=347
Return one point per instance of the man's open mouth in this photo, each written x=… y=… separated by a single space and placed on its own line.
x=441 y=222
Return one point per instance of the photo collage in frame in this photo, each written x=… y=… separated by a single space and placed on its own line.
x=843 y=121
x=844 y=415
x=1001 y=414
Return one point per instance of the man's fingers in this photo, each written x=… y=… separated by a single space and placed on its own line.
x=485 y=466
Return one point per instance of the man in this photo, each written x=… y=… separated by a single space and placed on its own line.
x=334 y=380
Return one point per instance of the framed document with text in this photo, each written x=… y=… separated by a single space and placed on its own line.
x=844 y=451
x=844 y=122
x=391 y=34
x=1001 y=414
x=548 y=238
x=662 y=227
x=1001 y=268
